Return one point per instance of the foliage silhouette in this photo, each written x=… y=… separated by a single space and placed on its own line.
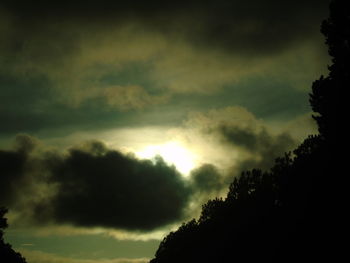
x=7 y=254
x=326 y=91
x=285 y=214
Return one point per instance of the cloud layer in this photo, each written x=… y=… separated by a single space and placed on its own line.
x=250 y=141
x=107 y=64
x=91 y=186
x=233 y=25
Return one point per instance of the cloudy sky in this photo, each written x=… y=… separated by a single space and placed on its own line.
x=119 y=119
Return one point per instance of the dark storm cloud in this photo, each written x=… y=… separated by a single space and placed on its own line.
x=252 y=27
x=263 y=146
x=91 y=186
x=13 y=166
x=248 y=142
x=101 y=187
x=206 y=179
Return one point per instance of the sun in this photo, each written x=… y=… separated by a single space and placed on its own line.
x=173 y=153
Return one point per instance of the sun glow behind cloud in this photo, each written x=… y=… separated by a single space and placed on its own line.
x=173 y=153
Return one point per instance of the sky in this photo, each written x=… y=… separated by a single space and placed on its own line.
x=120 y=119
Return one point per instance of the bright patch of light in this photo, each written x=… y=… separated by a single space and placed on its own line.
x=172 y=153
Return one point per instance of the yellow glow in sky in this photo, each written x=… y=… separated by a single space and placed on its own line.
x=173 y=153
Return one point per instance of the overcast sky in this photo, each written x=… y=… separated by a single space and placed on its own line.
x=119 y=119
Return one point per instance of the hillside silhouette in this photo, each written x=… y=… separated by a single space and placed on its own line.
x=289 y=213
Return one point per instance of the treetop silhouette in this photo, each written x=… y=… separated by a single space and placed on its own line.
x=326 y=91
x=7 y=254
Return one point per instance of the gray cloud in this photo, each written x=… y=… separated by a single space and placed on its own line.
x=207 y=179
x=251 y=142
x=91 y=185
x=104 y=187
x=64 y=63
x=262 y=145
x=207 y=182
x=13 y=165
x=253 y=26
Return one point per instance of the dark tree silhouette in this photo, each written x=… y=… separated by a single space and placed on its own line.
x=326 y=91
x=287 y=214
x=7 y=254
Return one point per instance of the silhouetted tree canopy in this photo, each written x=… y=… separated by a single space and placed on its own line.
x=326 y=91
x=286 y=214
x=7 y=254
